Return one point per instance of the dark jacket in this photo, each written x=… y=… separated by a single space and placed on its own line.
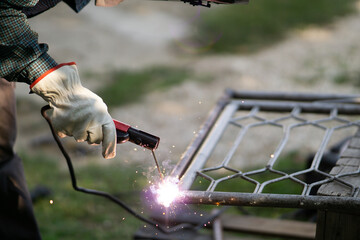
x=22 y=57
x=44 y=5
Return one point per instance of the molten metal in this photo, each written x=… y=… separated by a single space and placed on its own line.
x=167 y=191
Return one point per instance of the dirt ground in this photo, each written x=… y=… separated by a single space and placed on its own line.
x=138 y=34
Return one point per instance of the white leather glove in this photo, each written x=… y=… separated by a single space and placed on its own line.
x=75 y=110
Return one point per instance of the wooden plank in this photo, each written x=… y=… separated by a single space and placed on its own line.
x=337 y=226
x=357 y=134
x=354 y=142
x=152 y=233
x=266 y=226
x=349 y=162
x=354 y=162
x=337 y=170
x=351 y=153
x=250 y=224
x=320 y=225
x=341 y=226
x=336 y=188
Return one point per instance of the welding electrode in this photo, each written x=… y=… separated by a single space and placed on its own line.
x=126 y=133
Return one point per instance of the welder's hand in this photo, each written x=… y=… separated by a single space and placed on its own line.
x=75 y=110
x=107 y=3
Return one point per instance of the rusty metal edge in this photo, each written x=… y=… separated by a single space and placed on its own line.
x=342 y=204
x=193 y=148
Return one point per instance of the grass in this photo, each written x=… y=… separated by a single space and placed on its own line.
x=347 y=77
x=131 y=86
x=228 y=29
x=75 y=215
x=246 y=28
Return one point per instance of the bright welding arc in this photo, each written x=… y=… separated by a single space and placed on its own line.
x=167 y=191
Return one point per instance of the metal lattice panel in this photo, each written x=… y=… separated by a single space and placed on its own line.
x=248 y=144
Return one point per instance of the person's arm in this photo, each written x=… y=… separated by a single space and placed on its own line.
x=75 y=110
x=22 y=58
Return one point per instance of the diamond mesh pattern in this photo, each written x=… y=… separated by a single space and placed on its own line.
x=275 y=146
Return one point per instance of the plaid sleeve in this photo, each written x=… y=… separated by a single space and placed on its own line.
x=22 y=58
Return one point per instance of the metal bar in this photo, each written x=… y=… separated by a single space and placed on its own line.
x=283 y=142
x=272 y=200
x=187 y=157
x=290 y=105
x=316 y=107
x=309 y=97
x=217 y=227
x=236 y=144
x=318 y=156
x=208 y=146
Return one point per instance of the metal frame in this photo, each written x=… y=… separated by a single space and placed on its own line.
x=288 y=105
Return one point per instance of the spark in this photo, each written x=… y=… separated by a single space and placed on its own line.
x=167 y=191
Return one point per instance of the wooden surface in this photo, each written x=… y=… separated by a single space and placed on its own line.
x=253 y=225
x=349 y=162
x=265 y=226
x=337 y=226
x=333 y=225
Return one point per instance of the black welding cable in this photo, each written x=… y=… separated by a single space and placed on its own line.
x=100 y=193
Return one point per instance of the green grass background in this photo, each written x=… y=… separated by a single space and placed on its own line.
x=246 y=28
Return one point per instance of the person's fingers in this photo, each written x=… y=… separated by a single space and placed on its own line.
x=95 y=135
x=61 y=134
x=80 y=136
x=109 y=140
x=58 y=130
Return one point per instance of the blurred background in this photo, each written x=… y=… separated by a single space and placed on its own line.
x=161 y=67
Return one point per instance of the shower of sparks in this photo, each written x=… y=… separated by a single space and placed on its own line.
x=167 y=191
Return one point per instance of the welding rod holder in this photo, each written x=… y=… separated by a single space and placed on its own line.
x=126 y=133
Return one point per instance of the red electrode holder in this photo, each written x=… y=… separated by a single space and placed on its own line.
x=125 y=132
